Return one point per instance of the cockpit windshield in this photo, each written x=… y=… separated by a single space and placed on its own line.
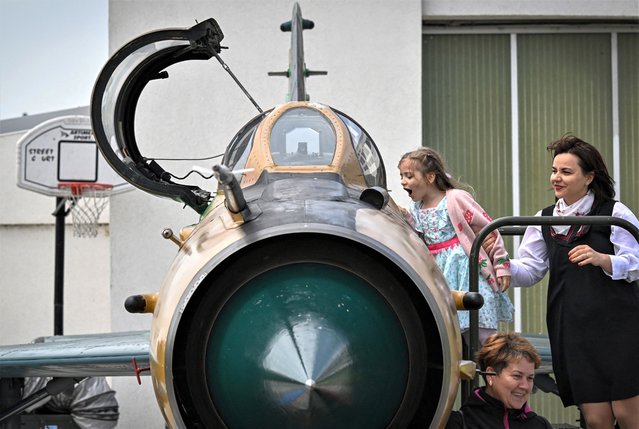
x=302 y=136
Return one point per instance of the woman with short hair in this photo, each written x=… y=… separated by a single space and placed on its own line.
x=508 y=361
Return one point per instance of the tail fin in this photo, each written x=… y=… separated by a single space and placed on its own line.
x=297 y=71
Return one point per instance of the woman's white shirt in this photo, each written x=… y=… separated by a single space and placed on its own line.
x=532 y=262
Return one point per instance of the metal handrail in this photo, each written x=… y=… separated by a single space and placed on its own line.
x=509 y=228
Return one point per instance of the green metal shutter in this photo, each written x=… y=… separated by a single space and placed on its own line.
x=628 y=47
x=564 y=86
x=466 y=112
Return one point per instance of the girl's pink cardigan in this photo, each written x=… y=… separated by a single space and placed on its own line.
x=468 y=218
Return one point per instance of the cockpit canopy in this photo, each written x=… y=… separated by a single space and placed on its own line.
x=303 y=137
x=296 y=137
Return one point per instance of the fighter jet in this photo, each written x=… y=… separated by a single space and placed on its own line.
x=301 y=299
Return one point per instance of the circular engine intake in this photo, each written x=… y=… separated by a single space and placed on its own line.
x=307 y=331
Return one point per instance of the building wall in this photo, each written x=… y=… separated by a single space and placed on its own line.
x=529 y=10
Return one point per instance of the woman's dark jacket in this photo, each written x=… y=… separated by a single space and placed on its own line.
x=482 y=411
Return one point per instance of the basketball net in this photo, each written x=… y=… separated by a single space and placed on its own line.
x=88 y=200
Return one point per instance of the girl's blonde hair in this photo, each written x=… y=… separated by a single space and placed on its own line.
x=429 y=161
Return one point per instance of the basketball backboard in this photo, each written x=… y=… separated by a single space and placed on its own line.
x=63 y=150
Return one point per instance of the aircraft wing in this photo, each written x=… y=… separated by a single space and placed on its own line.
x=106 y=355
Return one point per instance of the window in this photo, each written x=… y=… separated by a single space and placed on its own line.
x=302 y=136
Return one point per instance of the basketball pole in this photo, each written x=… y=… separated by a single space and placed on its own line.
x=60 y=214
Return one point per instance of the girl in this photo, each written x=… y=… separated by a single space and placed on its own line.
x=449 y=219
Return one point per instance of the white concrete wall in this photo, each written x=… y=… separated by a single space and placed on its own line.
x=530 y=9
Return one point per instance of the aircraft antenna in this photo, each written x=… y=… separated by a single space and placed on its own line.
x=228 y=69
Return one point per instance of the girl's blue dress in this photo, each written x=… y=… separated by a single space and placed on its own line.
x=436 y=227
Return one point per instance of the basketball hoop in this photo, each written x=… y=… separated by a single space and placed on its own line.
x=88 y=199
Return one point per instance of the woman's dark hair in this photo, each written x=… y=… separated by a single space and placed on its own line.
x=503 y=348
x=590 y=161
x=429 y=161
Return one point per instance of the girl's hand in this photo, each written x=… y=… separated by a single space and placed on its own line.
x=489 y=242
x=504 y=283
x=584 y=255
x=407 y=215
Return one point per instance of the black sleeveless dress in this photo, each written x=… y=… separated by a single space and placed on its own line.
x=593 y=321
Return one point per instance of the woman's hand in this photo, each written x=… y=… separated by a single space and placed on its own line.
x=584 y=255
x=504 y=283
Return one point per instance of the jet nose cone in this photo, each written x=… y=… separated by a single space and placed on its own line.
x=307 y=346
x=309 y=367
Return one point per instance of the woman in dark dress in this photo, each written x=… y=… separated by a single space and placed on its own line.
x=510 y=361
x=593 y=289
